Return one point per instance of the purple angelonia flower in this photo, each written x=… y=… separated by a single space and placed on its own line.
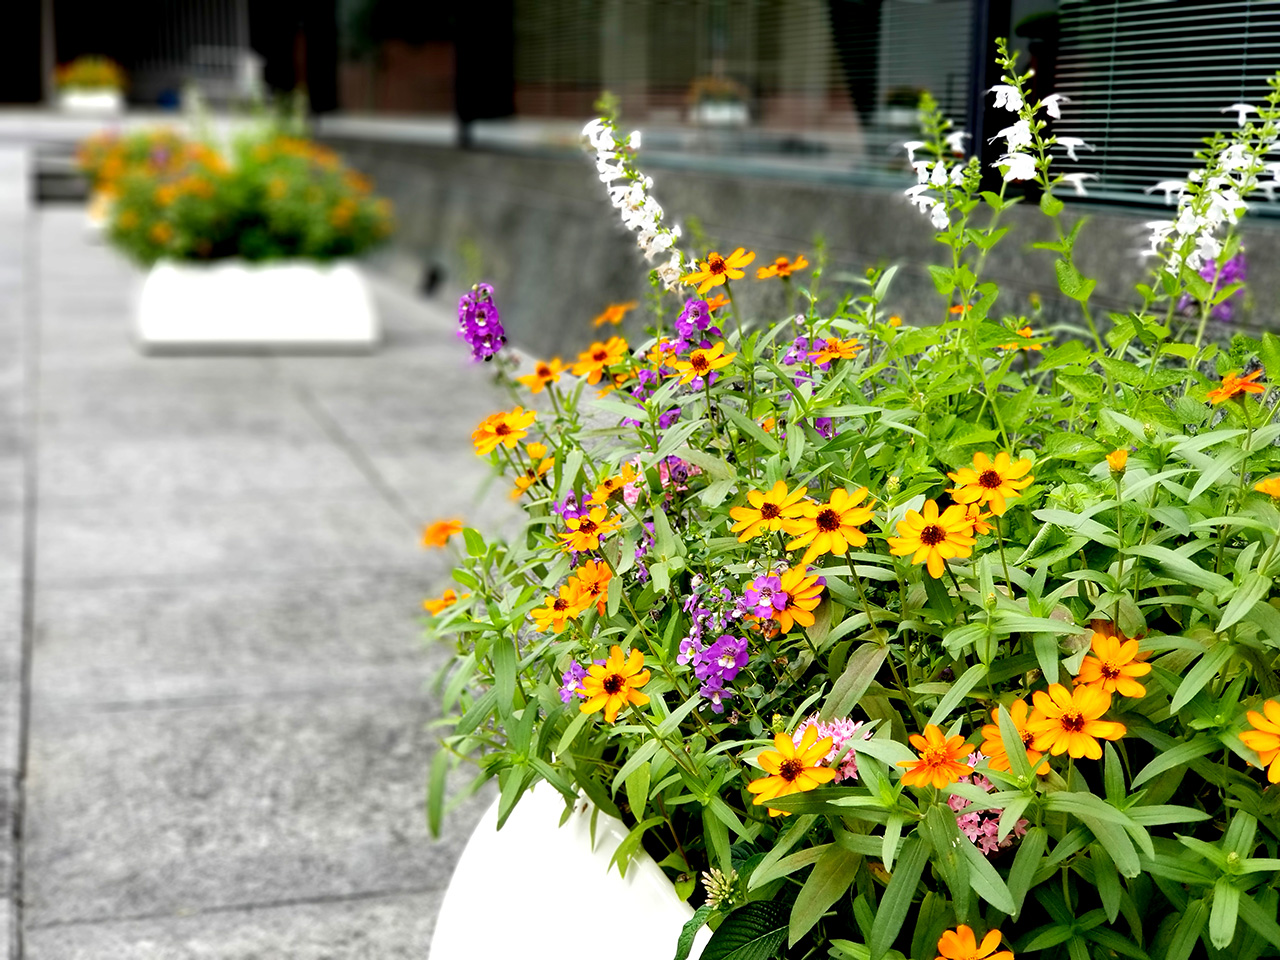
x=825 y=426
x=570 y=682
x=479 y=323
x=665 y=420
x=764 y=595
x=714 y=691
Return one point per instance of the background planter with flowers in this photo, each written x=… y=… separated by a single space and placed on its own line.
x=251 y=248
x=93 y=85
x=902 y=637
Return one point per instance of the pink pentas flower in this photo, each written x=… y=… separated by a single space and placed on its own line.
x=982 y=827
x=841 y=732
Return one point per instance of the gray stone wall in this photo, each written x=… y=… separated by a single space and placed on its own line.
x=539 y=226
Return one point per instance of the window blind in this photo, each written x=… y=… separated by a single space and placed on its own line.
x=1148 y=80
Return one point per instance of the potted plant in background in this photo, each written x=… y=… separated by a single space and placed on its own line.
x=104 y=157
x=894 y=637
x=251 y=247
x=718 y=101
x=901 y=108
x=92 y=85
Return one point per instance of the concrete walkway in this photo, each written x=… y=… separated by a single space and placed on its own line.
x=212 y=706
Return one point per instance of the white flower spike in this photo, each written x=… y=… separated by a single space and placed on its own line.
x=1077 y=180
x=1007 y=97
x=911 y=146
x=1021 y=166
x=1170 y=187
x=1241 y=110
x=1016 y=136
x=1072 y=144
x=955 y=141
x=1051 y=104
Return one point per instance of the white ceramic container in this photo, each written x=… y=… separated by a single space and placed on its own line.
x=234 y=306
x=91 y=102
x=539 y=891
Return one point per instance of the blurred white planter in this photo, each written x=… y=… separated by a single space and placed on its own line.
x=94 y=102
x=718 y=113
x=541 y=889
x=234 y=306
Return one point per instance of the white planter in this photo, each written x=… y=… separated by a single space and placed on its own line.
x=92 y=102
x=539 y=891
x=715 y=113
x=231 y=306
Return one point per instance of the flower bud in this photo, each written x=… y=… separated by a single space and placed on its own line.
x=1117 y=459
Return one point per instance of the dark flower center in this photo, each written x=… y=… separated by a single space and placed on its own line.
x=769 y=511
x=699 y=362
x=1109 y=670
x=716 y=264
x=502 y=429
x=560 y=604
x=990 y=479
x=1073 y=721
x=586 y=525
x=600 y=356
x=1026 y=738
x=790 y=769
x=613 y=683
x=932 y=534
x=828 y=520
x=934 y=756
x=543 y=370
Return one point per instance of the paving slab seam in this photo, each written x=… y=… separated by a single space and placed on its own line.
x=408 y=690
x=144 y=580
x=253 y=907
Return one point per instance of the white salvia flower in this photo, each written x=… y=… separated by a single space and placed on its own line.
x=1007 y=97
x=1160 y=230
x=921 y=168
x=938 y=215
x=939 y=178
x=1051 y=102
x=1273 y=169
x=1022 y=166
x=1187 y=221
x=598 y=134
x=1018 y=135
x=957 y=175
x=633 y=141
x=1236 y=157
x=669 y=273
x=955 y=141
x=1240 y=110
x=911 y=146
x=1207 y=246
x=1077 y=180
x=610 y=173
x=1169 y=187
x=1072 y=144
x=919 y=195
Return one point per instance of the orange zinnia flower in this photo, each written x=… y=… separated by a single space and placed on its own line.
x=934 y=538
x=716 y=302
x=1113 y=666
x=832 y=527
x=544 y=372
x=993 y=746
x=833 y=348
x=895 y=321
x=1270 y=486
x=1117 y=460
x=939 y=764
x=435 y=607
x=612 y=685
x=532 y=473
x=782 y=267
x=593 y=361
x=960 y=944
x=611 y=485
x=1027 y=334
x=560 y=607
x=775 y=510
x=438 y=533
x=804 y=593
x=1234 y=386
x=593 y=581
x=702 y=362
x=614 y=313
x=989 y=482
x=1264 y=738
x=979 y=520
x=1068 y=721
x=509 y=427
x=717 y=269
x=586 y=531
x=792 y=768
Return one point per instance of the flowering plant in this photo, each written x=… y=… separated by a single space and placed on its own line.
x=268 y=197
x=90 y=73
x=909 y=639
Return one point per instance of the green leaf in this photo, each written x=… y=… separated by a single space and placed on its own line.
x=1256 y=917
x=690 y=930
x=1071 y=282
x=1106 y=879
x=785 y=866
x=986 y=881
x=751 y=932
x=504 y=673
x=1205 y=670
x=859 y=672
x=1050 y=205
x=637 y=787
x=631 y=843
x=1026 y=862
x=750 y=428
x=967 y=681
x=1222 y=918
x=1187 y=932
x=435 y=791
x=896 y=902
x=1252 y=588
x=1175 y=757
x=832 y=875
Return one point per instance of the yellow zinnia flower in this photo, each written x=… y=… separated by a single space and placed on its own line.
x=1068 y=721
x=585 y=531
x=614 y=313
x=932 y=538
x=990 y=482
x=1113 y=666
x=1118 y=459
x=939 y=764
x=437 y=534
x=612 y=685
x=532 y=473
x=593 y=361
x=960 y=944
x=833 y=348
x=832 y=527
x=1234 y=386
x=702 y=362
x=717 y=269
x=993 y=746
x=804 y=593
x=593 y=579
x=775 y=510
x=1026 y=333
x=782 y=267
x=612 y=485
x=508 y=427
x=1264 y=738
x=1270 y=486
x=450 y=597
x=791 y=768
x=544 y=372
x=560 y=607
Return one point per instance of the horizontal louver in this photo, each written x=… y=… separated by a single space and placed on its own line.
x=1148 y=80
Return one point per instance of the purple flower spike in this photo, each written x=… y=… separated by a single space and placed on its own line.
x=479 y=322
x=571 y=681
